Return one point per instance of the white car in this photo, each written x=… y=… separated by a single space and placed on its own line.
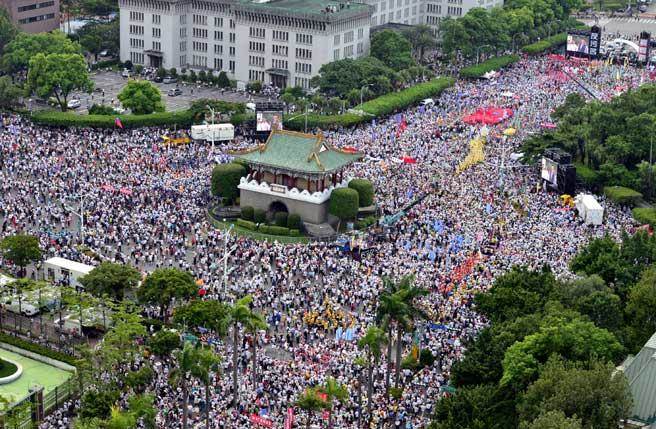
x=427 y=102
x=74 y=103
x=125 y=73
x=24 y=308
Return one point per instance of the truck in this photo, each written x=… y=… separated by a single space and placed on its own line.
x=220 y=132
x=60 y=270
x=589 y=209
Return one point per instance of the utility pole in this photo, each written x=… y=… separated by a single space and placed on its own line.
x=79 y=215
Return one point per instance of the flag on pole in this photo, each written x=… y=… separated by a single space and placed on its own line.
x=118 y=122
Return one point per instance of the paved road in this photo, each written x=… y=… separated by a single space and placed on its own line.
x=626 y=25
x=112 y=83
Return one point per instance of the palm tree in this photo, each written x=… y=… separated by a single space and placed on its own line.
x=252 y=325
x=333 y=391
x=390 y=309
x=311 y=402
x=186 y=359
x=407 y=294
x=239 y=313
x=207 y=362
x=371 y=342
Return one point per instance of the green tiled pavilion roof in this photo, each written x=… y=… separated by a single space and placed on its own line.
x=305 y=153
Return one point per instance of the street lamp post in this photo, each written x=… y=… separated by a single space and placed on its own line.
x=212 y=131
x=478 y=51
x=79 y=215
x=226 y=253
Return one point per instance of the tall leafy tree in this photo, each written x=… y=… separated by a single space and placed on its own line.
x=334 y=391
x=594 y=393
x=10 y=94
x=141 y=97
x=186 y=360
x=19 y=51
x=8 y=29
x=421 y=37
x=163 y=285
x=207 y=314
x=207 y=363
x=392 y=48
x=372 y=343
x=111 y=279
x=640 y=309
x=21 y=250
x=311 y=402
x=58 y=75
x=239 y=314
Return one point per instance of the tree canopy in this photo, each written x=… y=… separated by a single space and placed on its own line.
x=164 y=284
x=111 y=279
x=24 y=46
x=141 y=97
x=392 y=48
x=340 y=77
x=58 y=75
x=21 y=249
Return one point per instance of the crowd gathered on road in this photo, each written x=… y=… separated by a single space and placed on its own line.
x=463 y=225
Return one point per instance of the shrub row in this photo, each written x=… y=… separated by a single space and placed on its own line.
x=66 y=119
x=645 y=215
x=381 y=106
x=105 y=64
x=252 y=226
x=622 y=195
x=494 y=63
x=545 y=44
x=270 y=229
x=36 y=348
x=273 y=230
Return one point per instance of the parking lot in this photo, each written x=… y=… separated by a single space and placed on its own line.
x=109 y=84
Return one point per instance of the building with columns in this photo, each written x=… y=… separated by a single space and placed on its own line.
x=279 y=42
x=295 y=173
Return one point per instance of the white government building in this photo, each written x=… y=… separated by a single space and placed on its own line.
x=279 y=42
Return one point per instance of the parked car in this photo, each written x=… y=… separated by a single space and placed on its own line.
x=175 y=92
x=642 y=8
x=125 y=73
x=170 y=79
x=74 y=103
x=158 y=79
x=25 y=308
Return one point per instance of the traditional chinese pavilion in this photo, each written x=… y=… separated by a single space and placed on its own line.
x=294 y=172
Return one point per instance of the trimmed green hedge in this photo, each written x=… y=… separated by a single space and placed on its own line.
x=622 y=195
x=294 y=221
x=66 y=119
x=280 y=218
x=35 y=348
x=181 y=118
x=259 y=216
x=247 y=213
x=294 y=232
x=389 y=103
x=545 y=44
x=365 y=190
x=344 y=203
x=381 y=106
x=247 y=224
x=273 y=230
x=494 y=63
x=645 y=215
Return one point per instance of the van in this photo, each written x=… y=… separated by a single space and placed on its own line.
x=24 y=308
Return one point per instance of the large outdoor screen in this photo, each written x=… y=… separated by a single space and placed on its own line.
x=268 y=121
x=549 y=171
x=579 y=43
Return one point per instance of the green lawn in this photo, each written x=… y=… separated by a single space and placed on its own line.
x=34 y=372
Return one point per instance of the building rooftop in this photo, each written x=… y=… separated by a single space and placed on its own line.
x=298 y=152
x=640 y=371
x=325 y=10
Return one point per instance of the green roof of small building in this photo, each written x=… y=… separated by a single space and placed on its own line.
x=298 y=152
x=640 y=371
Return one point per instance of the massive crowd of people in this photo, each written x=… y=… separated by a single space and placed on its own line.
x=146 y=205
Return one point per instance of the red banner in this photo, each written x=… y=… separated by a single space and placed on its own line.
x=289 y=420
x=260 y=421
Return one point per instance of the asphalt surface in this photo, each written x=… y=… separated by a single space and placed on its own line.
x=112 y=83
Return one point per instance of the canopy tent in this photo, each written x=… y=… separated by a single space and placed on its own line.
x=490 y=115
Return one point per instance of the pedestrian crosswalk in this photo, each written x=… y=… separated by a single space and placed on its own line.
x=605 y=21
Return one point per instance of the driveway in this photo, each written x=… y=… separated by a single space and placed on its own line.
x=109 y=84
